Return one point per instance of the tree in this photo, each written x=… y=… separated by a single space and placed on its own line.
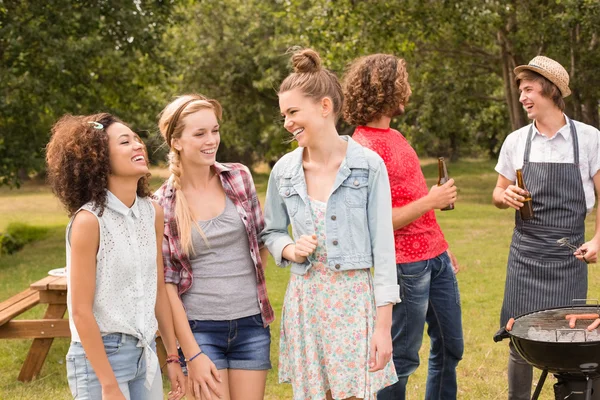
x=73 y=57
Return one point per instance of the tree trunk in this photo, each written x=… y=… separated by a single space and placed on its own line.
x=454 y=147
x=590 y=112
x=511 y=91
x=575 y=95
x=22 y=174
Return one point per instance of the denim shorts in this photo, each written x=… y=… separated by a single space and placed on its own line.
x=242 y=343
x=128 y=364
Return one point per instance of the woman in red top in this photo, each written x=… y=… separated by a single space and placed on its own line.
x=376 y=89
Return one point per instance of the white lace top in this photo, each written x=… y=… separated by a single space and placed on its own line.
x=126 y=274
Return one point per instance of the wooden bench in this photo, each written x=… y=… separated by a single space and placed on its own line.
x=52 y=292
x=18 y=304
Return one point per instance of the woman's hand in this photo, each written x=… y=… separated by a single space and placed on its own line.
x=177 y=380
x=202 y=378
x=381 y=349
x=112 y=392
x=304 y=247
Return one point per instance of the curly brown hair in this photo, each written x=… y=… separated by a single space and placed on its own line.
x=374 y=86
x=77 y=159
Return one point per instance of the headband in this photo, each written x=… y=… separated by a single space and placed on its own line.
x=175 y=118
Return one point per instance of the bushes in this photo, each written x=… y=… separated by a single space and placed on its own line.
x=18 y=235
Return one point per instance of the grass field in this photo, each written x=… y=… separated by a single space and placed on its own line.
x=478 y=233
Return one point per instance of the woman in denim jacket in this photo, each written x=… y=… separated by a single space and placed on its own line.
x=335 y=329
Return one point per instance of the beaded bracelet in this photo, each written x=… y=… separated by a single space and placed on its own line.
x=192 y=358
x=172 y=358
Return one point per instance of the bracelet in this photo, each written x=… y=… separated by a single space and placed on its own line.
x=169 y=361
x=192 y=358
x=172 y=358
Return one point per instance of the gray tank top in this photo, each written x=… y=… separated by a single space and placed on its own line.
x=224 y=285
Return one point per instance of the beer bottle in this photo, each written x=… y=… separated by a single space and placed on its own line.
x=527 y=209
x=443 y=178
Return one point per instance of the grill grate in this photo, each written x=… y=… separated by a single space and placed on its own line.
x=551 y=326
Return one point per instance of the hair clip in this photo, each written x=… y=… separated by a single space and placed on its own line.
x=96 y=125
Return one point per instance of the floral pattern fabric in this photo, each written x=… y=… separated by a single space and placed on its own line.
x=327 y=323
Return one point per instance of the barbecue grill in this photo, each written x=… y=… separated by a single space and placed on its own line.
x=545 y=340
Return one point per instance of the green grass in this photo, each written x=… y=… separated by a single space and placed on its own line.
x=478 y=233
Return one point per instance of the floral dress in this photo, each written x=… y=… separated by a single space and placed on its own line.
x=327 y=323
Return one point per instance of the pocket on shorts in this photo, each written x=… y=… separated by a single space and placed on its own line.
x=72 y=376
x=112 y=344
x=76 y=374
x=257 y=319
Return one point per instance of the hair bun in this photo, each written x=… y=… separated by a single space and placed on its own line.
x=306 y=61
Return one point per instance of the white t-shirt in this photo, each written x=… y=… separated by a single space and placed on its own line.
x=558 y=149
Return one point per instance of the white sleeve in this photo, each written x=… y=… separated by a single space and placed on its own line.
x=593 y=158
x=505 y=165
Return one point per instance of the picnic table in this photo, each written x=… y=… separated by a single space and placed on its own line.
x=52 y=292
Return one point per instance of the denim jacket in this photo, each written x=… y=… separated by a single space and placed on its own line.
x=358 y=217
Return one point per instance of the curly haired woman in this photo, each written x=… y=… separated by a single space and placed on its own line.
x=376 y=89
x=116 y=293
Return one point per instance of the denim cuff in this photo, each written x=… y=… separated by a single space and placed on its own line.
x=387 y=295
x=276 y=249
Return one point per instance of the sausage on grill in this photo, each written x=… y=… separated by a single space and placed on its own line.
x=509 y=324
x=594 y=325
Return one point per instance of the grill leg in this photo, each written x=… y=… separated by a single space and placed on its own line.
x=588 y=389
x=538 y=388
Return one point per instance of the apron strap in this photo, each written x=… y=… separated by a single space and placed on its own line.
x=528 y=145
x=575 y=141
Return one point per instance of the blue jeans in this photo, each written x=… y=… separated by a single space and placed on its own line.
x=128 y=364
x=242 y=343
x=429 y=293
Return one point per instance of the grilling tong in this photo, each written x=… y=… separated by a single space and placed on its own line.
x=564 y=242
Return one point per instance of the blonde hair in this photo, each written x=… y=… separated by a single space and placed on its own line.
x=313 y=80
x=171 y=127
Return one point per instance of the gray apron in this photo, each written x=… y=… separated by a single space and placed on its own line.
x=542 y=274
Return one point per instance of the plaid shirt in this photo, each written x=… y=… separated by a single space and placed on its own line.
x=239 y=187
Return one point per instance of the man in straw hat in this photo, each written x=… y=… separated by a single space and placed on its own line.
x=560 y=161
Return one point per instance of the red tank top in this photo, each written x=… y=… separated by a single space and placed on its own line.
x=422 y=239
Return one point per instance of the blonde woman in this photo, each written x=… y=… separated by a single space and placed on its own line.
x=214 y=259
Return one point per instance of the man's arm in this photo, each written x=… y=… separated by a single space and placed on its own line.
x=437 y=198
x=588 y=251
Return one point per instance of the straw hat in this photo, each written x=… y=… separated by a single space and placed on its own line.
x=550 y=70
